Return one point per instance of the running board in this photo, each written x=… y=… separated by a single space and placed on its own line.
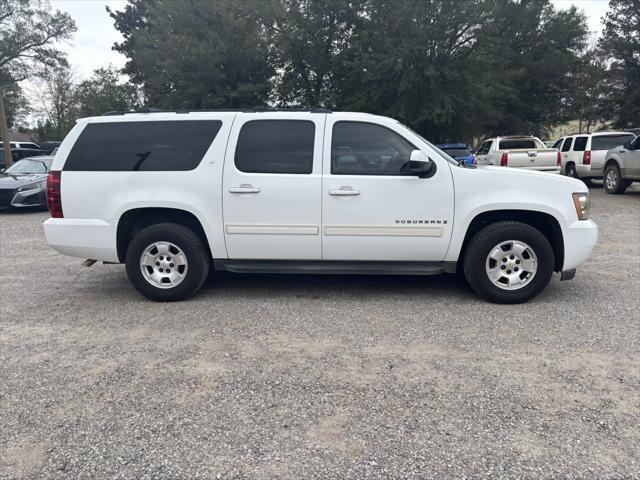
x=335 y=267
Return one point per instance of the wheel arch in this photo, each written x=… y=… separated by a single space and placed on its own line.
x=546 y=223
x=611 y=161
x=135 y=219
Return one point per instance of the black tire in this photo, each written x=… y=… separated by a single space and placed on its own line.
x=185 y=239
x=618 y=184
x=570 y=170
x=485 y=240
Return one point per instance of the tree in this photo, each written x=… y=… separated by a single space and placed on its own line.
x=28 y=31
x=104 y=92
x=58 y=101
x=589 y=94
x=620 y=47
x=308 y=40
x=195 y=53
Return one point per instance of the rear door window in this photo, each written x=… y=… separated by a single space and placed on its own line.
x=276 y=146
x=607 y=142
x=142 y=146
x=566 y=146
x=580 y=145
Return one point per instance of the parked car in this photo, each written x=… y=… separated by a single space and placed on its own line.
x=23 y=184
x=622 y=166
x=173 y=195
x=31 y=145
x=19 y=154
x=459 y=151
x=583 y=154
x=518 y=151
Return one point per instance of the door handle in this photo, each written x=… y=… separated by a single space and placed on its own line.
x=244 y=189
x=344 y=192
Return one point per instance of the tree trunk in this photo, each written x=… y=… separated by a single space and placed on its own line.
x=4 y=133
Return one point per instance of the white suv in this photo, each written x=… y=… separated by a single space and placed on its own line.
x=175 y=194
x=583 y=155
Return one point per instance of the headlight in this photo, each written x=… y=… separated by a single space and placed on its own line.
x=582 y=204
x=33 y=186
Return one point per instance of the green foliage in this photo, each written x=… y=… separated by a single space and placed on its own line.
x=104 y=92
x=28 y=30
x=620 y=46
x=450 y=69
x=195 y=53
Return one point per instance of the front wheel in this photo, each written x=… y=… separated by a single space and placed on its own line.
x=508 y=262
x=167 y=262
x=613 y=182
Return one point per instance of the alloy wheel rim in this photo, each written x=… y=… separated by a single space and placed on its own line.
x=511 y=265
x=612 y=180
x=163 y=265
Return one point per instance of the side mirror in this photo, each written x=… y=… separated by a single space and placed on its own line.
x=420 y=164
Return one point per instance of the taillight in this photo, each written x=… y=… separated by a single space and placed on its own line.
x=558 y=159
x=586 y=158
x=504 y=159
x=54 y=200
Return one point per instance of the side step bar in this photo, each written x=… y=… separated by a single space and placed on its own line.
x=335 y=267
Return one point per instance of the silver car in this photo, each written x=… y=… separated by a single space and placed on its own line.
x=622 y=166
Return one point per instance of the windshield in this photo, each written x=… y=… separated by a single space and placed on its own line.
x=29 y=166
x=444 y=154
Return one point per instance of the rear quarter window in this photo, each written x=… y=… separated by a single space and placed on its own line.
x=142 y=146
x=607 y=142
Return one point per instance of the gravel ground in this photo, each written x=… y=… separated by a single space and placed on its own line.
x=264 y=377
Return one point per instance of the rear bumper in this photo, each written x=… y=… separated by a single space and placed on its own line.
x=580 y=238
x=85 y=238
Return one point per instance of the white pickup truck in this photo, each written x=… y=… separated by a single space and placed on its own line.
x=173 y=195
x=520 y=152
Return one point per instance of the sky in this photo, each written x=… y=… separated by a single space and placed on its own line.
x=90 y=47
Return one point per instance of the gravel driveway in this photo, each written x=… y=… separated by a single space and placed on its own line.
x=263 y=377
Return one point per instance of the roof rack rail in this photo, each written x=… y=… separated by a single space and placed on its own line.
x=256 y=109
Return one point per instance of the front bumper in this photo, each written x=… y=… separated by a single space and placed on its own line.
x=579 y=240
x=35 y=197
x=82 y=237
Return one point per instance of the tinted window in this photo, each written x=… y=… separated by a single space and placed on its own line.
x=515 y=144
x=581 y=144
x=359 y=148
x=458 y=152
x=567 y=144
x=557 y=144
x=607 y=142
x=276 y=146
x=636 y=144
x=142 y=146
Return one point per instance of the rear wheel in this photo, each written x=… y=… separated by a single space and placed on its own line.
x=613 y=181
x=570 y=170
x=167 y=262
x=508 y=262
